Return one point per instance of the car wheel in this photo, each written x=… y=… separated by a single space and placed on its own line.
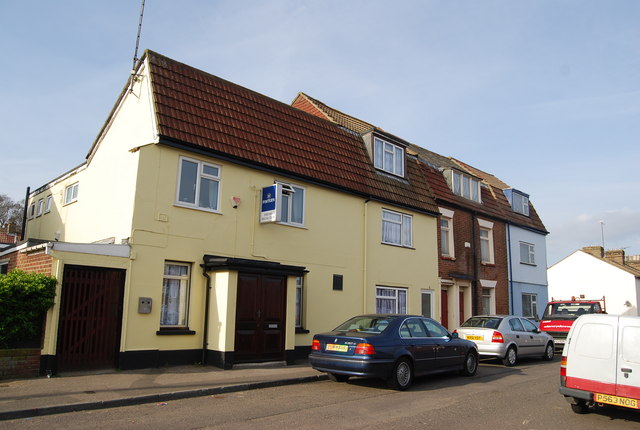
x=511 y=357
x=470 y=364
x=402 y=375
x=549 y=351
x=338 y=378
x=580 y=407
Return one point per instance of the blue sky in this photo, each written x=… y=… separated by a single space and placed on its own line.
x=543 y=94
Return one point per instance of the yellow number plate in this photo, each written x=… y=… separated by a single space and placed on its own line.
x=615 y=400
x=339 y=348
x=469 y=337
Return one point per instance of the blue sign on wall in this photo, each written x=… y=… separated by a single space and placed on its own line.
x=269 y=206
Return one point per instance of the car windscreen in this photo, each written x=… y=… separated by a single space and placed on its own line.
x=366 y=324
x=482 y=322
x=569 y=310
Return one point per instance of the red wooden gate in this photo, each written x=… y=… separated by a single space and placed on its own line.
x=90 y=318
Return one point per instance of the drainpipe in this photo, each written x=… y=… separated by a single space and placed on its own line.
x=509 y=257
x=475 y=293
x=24 y=214
x=364 y=257
x=205 y=331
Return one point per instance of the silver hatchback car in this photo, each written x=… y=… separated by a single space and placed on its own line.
x=507 y=337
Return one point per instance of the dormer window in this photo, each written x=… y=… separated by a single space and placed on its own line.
x=465 y=186
x=388 y=157
x=520 y=203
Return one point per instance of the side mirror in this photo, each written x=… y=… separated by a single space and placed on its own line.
x=454 y=335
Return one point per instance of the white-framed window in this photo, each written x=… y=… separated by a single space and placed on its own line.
x=32 y=210
x=527 y=253
x=175 y=295
x=40 y=207
x=397 y=228
x=391 y=300
x=520 y=203
x=446 y=237
x=529 y=305
x=486 y=241
x=299 y=293
x=198 y=185
x=292 y=202
x=71 y=193
x=466 y=186
x=487 y=301
x=47 y=206
x=427 y=303
x=388 y=157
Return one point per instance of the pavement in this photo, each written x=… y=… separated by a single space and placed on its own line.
x=69 y=392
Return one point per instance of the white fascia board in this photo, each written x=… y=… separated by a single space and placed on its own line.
x=106 y=249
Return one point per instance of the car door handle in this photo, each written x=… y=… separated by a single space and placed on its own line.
x=625 y=370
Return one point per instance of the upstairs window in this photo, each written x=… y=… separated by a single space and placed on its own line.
x=397 y=228
x=47 y=207
x=40 y=207
x=520 y=203
x=527 y=253
x=291 y=204
x=388 y=157
x=486 y=242
x=71 y=193
x=466 y=186
x=198 y=184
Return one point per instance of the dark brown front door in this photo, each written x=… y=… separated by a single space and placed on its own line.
x=90 y=318
x=260 y=318
x=444 y=307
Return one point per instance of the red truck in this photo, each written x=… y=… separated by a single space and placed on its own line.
x=559 y=316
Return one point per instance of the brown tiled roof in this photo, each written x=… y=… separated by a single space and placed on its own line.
x=494 y=203
x=532 y=221
x=201 y=111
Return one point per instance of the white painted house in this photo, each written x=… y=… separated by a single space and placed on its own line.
x=591 y=273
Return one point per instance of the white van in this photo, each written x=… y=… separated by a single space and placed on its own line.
x=601 y=362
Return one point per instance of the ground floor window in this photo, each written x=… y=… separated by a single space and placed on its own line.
x=175 y=295
x=391 y=300
x=529 y=305
x=487 y=294
x=427 y=304
x=4 y=268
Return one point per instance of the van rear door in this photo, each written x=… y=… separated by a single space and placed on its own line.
x=628 y=369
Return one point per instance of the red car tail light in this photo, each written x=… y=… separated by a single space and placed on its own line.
x=497 y=337
x=315 y=346
x=364 y=349
x=563 y=366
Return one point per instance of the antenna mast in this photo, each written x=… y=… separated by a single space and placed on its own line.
x=135 y=53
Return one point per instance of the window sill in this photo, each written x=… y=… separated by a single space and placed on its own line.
x=487 y=264
x=528 y=264
x=301 y=330
x=197 y=208
x=447 y=257
x=174 y=332
x=397 y=246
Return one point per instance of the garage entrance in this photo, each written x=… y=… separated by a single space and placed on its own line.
x=90 y=318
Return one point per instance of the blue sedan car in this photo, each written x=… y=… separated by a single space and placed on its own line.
x=395 y=348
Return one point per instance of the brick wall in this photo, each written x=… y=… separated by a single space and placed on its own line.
x=19 y=363
x=466 y=230
x=37 y=262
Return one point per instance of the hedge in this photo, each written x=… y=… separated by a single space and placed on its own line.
x=24 y=298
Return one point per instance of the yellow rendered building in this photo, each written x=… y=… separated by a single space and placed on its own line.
x=212 y=224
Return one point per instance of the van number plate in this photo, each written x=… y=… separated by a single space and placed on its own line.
x=615 y=400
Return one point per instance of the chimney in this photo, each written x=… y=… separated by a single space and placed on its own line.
x=596 y=251
x=633 y=261
x=615 y=255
